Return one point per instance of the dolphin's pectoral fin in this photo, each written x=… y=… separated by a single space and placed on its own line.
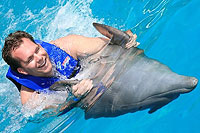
x=160 y=100
x=152 y=110
x=160 y=105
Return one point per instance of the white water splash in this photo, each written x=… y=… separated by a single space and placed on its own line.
x=48 y=23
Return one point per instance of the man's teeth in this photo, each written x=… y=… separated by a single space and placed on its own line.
x=43 y=63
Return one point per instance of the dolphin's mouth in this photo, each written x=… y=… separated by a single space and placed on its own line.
x=177 y=91
x=173 y=94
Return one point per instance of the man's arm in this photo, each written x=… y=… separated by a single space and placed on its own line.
x=26 y=94
x=79 y=46
x=78 y=91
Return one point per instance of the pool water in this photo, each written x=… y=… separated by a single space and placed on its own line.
x=168 y=31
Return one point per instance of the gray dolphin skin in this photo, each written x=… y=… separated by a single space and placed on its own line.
x=131 y=81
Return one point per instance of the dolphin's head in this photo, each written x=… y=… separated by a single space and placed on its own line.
x=160 y=100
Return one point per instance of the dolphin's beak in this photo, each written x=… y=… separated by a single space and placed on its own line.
x=191 y=85
x=195 y=82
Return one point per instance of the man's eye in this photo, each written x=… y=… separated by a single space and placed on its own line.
x=29 y=60
x=37 y=49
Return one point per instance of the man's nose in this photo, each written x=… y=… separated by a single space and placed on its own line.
x=38 y=58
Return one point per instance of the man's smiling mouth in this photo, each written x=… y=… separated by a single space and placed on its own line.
x=43 y=64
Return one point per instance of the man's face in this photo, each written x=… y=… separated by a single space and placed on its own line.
x=33 y=59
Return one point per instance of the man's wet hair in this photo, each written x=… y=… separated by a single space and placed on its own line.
x=12 y=42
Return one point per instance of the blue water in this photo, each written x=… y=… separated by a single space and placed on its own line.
x=168 y=31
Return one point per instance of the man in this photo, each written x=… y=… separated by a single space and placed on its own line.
x=28 y=60
x=26 y=57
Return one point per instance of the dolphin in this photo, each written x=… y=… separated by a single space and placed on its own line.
x=126 y=79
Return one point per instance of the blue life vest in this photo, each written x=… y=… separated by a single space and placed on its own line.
x=65 y=65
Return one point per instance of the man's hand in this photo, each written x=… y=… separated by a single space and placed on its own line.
x=132 y=42
x=82 y=88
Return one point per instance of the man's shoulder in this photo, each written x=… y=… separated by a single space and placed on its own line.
x=69 y=38
x=68 y=43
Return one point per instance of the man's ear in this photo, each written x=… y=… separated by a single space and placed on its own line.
x=22 y=71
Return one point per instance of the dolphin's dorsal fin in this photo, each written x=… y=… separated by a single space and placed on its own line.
x=104 y=29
